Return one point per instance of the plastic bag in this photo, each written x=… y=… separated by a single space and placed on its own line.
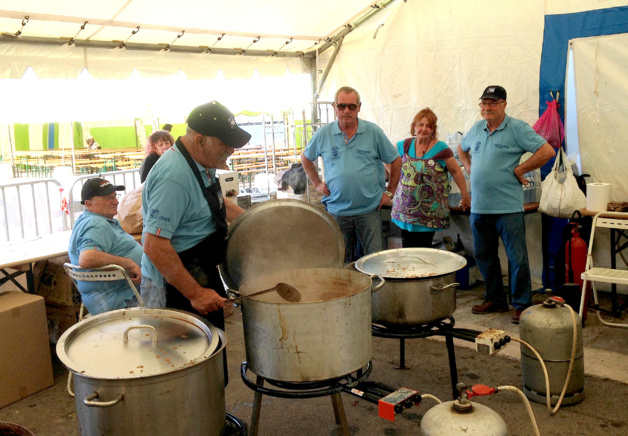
x=531 y=191
x=560 y=193
x=549 y=126
x=130 y=211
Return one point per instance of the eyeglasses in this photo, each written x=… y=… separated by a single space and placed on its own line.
x=343 y=106
x=491 y=104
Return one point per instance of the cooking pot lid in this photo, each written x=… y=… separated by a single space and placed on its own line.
x=134 y=343
x=281 y=235
x=411 y=263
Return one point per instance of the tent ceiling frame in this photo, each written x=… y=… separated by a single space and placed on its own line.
x=152 y=47
x=313 y=52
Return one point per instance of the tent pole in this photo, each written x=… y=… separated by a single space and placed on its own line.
x=337 y=46
x=72 y=146
x=10 y=129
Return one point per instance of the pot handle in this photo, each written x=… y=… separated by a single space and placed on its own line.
x=435 y=289
x=89 y=403
x=125 y=337
x=382 y=282
x=232 y=294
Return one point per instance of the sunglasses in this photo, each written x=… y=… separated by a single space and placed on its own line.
x=343 y=106
x=491 y=104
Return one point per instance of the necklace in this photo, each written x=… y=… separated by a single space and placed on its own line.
x=424 y=148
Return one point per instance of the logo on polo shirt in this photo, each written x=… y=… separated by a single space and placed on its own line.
x=477 y=146
x=153 y=213
x=334 y=152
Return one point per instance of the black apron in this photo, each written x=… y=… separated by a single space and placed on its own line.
x=202 y=260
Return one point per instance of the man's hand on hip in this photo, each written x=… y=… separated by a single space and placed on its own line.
x=322 y=188
x=520 y=176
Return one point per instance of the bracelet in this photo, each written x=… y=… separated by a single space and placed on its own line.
x=390 y=194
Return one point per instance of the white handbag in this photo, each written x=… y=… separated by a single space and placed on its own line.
x=560 y=193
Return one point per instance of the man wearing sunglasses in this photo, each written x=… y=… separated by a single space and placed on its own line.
x=493 y=148
x=354 y=152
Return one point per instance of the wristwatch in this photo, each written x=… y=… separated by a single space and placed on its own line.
x=390 y=194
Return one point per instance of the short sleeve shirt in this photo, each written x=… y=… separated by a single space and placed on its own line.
x=173 y=206
x=354 y=172
x=494 y=187
x=95 y=232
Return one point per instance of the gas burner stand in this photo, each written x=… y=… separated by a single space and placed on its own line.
x=302 y=390
x=441 y=328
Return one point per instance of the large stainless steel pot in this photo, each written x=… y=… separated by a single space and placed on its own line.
x=420 y=285
x=324 y=336
x=146 y=372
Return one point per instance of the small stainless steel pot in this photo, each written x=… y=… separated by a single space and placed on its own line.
x=420 y=285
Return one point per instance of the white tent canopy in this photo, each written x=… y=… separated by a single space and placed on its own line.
x=162 y=37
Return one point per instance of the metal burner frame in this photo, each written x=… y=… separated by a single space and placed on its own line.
x=301 y=390
x=236 y=423
x=440 y=328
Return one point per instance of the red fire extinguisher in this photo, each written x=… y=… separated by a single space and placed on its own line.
x=575 y=263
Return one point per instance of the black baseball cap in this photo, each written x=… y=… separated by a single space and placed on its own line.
x=213 y=119
x=495 y=92
x=98 y=188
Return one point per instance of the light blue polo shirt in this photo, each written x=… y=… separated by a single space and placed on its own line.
x=174 y=207
x=95 y=232
x=354 y=172
x=494 y=187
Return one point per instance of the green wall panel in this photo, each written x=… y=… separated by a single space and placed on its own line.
x=78 y=135
x=115 y=137
x=21 y=136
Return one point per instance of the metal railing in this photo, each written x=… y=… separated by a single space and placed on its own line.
x=32 y=208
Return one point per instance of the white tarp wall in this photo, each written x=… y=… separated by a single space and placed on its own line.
x=600 y=67
x=442 y=55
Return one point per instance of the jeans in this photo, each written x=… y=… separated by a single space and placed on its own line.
x=368 y=228
x=154 y=296
x=487 y=229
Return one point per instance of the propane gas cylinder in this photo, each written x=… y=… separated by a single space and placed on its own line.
x=462 y=417
x=548 y=327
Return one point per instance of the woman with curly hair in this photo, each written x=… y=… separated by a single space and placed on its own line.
x=157 y=143
x=421 y=204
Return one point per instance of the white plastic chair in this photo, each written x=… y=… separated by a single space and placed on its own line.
x=609 y=220
x=105 y=273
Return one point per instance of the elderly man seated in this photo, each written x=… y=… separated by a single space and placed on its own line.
x=98 y=240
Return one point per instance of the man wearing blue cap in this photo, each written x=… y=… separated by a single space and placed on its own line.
x=185 y=216
x=493 y=148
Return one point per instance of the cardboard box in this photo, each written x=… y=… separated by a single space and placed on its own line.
x=52 y=283
x=25 y=364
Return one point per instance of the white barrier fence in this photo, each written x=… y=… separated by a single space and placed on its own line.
x=33 y=208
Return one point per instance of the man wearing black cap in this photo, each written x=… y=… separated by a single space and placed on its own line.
x=185 y=216
x=98 y=240
x=493 y=148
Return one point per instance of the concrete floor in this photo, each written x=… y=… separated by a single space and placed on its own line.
x=603 y=411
